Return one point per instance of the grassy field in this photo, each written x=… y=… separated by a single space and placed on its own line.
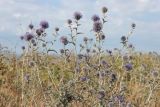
x=89 y=77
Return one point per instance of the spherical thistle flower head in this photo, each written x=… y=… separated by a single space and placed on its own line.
x=62 y=51
x=128 y=66
x=64 y=40
x=31 y=26
x=56 y=29
x=21 y=37
x=101 y=94
x=39 y=31
x=23 y=47
x=133 y=25
x=85 y=39
x=102 y=37
x=84 y=78
x=69 y=21
x=123 y=38
x=77 y=16
x=28 y=36
x=44 y=24
x=97 y=26
x=95 y=18
x=104 y=10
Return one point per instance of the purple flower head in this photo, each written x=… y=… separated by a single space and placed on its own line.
x=130 y=46
x=133 y=25
x=28 y=36
x=128 y=66
x=77 y=16
x=62 y=51
x=39 y=31
x=101 y=95
x=69 y=21
x=44 y=24
x=31 y=26
x=83 y=78
x=104 y=10
x=123 y=38
x=64 y=40
x=23 y=47
x=95 y=18
x=102 y=37
x=21 y=37
x=85 y=39
x=97 y=26
x=80 y=56
x=56 y=29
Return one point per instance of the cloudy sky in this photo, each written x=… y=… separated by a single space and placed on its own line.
x=15 y=15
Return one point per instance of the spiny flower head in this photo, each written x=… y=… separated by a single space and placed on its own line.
x=31 y=26
x=28 y=36
x=133 y=25
x=56 y=29
x=95 y=18
x=97 y=26
x=104 y=10
x=64 y=40
x=128 y=66
x=69 y=21
x=77 y=16
x=39 y=31
x=44 y=24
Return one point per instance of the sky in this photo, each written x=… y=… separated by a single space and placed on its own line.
x=15 y=15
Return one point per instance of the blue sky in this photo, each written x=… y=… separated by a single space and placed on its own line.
x=15 y=15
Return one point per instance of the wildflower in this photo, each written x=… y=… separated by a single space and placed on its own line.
x=61 y=51
x=80 y=56
x=56 y=29
x=82 y=79
x=123 y=38
x=28 y=36
x=102 y=37
x=44 y=24
x=39 y=31
x=85 y=39
x=21 y=37
x=69 y=21
x=31 y=26
x=64 y=40
x=128 y=66
x=97 y=26
x=95 y=18
x=104 y=10
x=133 y=25
x=101 y=94
x=87 y=50
x=23 y=47
x=77 y=16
